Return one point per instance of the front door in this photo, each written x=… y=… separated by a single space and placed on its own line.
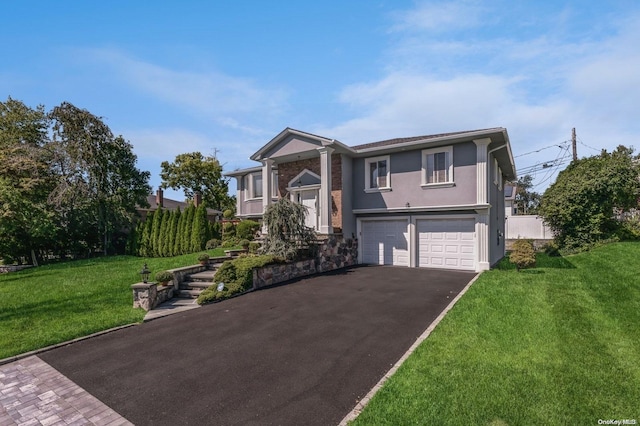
x=309 y=199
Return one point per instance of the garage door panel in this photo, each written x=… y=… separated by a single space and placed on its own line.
x=385 y=242
x=446 y=243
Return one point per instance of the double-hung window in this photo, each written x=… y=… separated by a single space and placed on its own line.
x=437 y=167
x=377 y=174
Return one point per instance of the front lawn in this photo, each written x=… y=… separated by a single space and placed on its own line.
x=558 y=344
x=55 y=303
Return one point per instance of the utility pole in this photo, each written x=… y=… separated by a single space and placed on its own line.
x=573 y=144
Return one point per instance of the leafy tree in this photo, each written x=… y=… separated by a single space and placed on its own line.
x=287 y=234
x=527 y=201
x=194 y=173
x=581 y=204
x=98 y=185
x=26 y=222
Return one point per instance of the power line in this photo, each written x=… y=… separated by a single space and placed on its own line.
x=590 y=147
x=559 y=145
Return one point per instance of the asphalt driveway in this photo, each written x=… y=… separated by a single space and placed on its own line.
x=302 y=353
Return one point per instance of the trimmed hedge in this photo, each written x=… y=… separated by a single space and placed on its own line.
x=237 y=276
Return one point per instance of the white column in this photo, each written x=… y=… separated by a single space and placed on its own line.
x=267 y=170
x=267 y=167
x=482 y=170
x=482 y=198
x=325 y=190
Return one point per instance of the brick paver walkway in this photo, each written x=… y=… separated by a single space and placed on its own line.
x=34 y=393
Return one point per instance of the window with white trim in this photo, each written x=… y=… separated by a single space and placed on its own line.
x=437 y=166
x=377 y=174
x=253 y=185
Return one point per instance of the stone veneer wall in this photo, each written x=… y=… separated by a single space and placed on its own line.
x=333 y=253
x=149 y=295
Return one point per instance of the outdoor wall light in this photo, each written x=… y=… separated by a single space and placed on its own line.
x=145 y=273
x=407 y=205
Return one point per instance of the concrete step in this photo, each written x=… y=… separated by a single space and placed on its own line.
x=195 y=285
x=202 y=276
x=188 y=294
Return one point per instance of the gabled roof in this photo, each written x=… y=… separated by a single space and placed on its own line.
x=288 y=132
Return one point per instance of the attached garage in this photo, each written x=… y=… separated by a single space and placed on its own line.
x=385 y=242
x=446 y=243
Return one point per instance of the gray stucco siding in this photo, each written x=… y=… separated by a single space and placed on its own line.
x=292 y=145
x=406 y=182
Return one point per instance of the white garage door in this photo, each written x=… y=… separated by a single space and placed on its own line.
x=446 y=243
x=385 y=242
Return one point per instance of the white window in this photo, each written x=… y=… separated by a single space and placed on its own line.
x=377 y=174
x=437 y=167
x=253 y=185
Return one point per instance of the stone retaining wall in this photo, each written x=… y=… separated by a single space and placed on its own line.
x=149 y=295
x=13 y=268
x=333 y=253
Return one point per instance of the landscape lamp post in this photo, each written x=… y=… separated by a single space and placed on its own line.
x=145 y=273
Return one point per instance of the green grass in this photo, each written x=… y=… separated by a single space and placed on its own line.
x=55 y=303
x=558 y=344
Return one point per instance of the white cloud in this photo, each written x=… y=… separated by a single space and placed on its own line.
x=538 y=87
x=439 y=17
x=224 y=99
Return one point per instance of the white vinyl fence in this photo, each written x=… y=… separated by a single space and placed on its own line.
x=527 y=226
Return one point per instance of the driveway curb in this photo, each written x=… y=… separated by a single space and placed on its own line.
x=59 y=345
x=364 y=401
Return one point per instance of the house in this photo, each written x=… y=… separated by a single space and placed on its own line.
x=432 y=201
x=159 y=200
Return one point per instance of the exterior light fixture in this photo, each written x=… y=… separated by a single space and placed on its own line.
x=145 y=273
x=407 y=205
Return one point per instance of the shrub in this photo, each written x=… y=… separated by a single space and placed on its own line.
x=164 y=276
x=212 y=243
x=228 y=230
x=254 y=247
x=237 y=276
x=230 y=242
x=244 y=243
x=247 y=229
x=203 y=257
x=227 y=214
x=551 y=249
x=523 y=254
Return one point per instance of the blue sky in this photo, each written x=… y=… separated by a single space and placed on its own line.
x=225 y=77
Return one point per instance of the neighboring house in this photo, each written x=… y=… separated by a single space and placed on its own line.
x=159 y=200
x=432 y=201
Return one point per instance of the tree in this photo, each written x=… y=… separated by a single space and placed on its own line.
x=200 y=229
x=194 y=173
x=188 y=216
x=581 y=204
x=287 y=234
x=527 y=201
x=27 y=223
x=98 y=185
